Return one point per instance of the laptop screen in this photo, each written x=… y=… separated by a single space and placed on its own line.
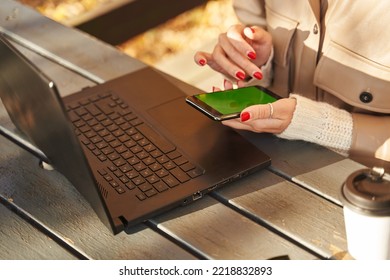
x=34 y=106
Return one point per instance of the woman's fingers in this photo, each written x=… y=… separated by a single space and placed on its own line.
x=238 y=53
x=203 y=58
x=272 y=118
x=236 y=60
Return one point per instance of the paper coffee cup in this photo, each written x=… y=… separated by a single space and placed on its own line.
x=366 y=200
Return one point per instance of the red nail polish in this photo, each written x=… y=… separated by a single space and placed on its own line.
x=240 y=75
x=202 y=61
x=225 y=83
x=253 y=30
x=251 y=55
x=258 y=75
x=245 y=116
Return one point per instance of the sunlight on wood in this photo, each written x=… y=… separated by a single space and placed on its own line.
x=188 y=31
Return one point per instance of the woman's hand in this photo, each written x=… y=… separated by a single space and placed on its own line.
x=239 y=53
x=272 y=118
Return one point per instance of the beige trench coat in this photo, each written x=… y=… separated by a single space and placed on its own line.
x=333 y=51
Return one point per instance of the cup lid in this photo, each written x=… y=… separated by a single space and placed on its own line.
x=367 y=192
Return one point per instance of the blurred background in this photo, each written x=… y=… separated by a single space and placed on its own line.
x=168 y=46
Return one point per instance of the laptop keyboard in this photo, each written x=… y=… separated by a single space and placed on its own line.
x=133 y=157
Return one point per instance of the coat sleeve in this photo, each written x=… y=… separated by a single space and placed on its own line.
x=250 y=12
x=320 y=123
x=371 y=136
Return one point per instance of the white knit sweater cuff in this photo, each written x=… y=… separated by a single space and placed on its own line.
x=320 y=123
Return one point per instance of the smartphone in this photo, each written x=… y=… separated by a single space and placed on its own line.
x=228 y=104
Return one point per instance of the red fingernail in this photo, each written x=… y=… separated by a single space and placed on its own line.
x=202 y=61
x=253 y=30
x=240 y=75
x=251 y=55
x=258 y=75
x=245 y=116
x=225 y=83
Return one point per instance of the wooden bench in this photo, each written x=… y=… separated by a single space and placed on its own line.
x=289 y=210
x=116 y=21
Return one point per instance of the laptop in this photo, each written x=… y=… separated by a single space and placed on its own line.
x=131 y=146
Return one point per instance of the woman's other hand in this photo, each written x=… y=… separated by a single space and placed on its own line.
x=272 y=118
x=239 y=53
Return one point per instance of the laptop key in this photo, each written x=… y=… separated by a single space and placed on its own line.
x=108 y=178
x=162 y=173
x=102 y=172
x=171 y=181
x=180 y=160
x=93 y=110
x=173 y=155
x=141 y=196
x=120 y=190
x=145 y=187
x=187 y=166
x=130 y=185
x=160 y=186
x=124 y=180
x=195 y=172
x=102 y=158
x=103 y=106
x=81 y=111
x=180 y=175
x=73 y=117
x=114 y=184
x=151 y=192
x=138 y=180
x=161 y=143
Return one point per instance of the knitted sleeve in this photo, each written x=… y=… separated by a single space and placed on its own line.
x=320 y=123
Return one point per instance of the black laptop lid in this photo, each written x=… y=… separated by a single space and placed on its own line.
x=33 y=104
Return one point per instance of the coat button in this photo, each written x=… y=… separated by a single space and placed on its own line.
x=366 y=97
x=315 y=29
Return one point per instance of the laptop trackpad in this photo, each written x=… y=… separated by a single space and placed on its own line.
x=178 y=119
x=194 y=132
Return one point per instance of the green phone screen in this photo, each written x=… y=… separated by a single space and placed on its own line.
x=233 y=101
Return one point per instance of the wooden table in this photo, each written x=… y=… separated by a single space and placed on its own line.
x=289 y=210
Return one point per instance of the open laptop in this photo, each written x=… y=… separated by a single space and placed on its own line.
x=131 y=146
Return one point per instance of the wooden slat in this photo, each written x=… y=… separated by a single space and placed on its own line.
x=327 y=181
x=293 y=158
x=51 y=199
x=75 y=50
x=18 y=171
x=116 y=25
x=295 y=212
x=218 y=232
x=314 y=167
x=71 y=215
x=59 y=206
x=98 y=11
x=67 y=212
x=21 y=241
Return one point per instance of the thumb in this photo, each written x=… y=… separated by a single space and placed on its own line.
x=254 y=112
x=249 y=32
x=257 y=34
